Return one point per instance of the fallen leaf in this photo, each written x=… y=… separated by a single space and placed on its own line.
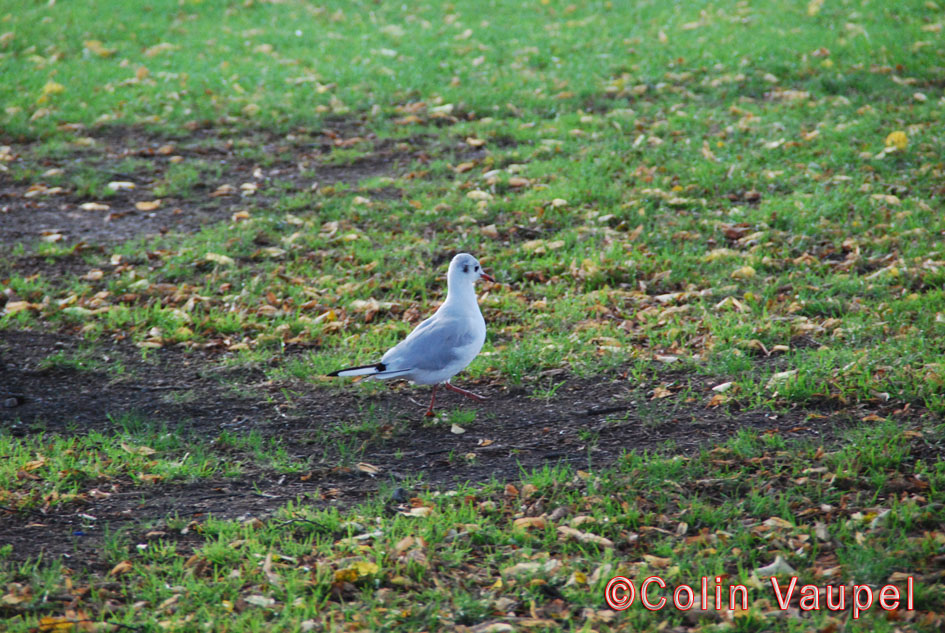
x=147 y=205
x=897 y=139
x=527 y=523
x=566 y=532
x=94 y=206
x=778 y=567
x=121 y=568
x=370 y=469
x=224 y=260
x=138 y=450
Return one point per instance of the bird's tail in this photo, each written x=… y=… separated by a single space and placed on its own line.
x=378 y=370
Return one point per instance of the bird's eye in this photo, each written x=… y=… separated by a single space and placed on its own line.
x=477 y=269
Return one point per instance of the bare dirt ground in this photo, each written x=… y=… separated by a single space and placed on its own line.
x=587 y=422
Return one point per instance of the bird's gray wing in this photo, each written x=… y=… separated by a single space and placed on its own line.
x=432 y=346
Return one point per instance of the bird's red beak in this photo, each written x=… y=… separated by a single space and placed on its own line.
x=486 y=276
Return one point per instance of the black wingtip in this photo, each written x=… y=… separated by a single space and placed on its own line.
x=378 y=366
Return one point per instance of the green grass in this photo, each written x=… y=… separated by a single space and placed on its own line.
x=49 y=469
x=691 y=193
x=471 y=556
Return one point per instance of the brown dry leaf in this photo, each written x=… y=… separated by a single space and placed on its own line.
x=464 y=167
x=404 y=544
x=224 y=190
x=527 y=523
x=97 y=48
x=158 y=49
x=370 y=469
x=121 y=568
x=147 y=205
x=658 y=562
x=490 y=231
x=17 y=594
x=36 y=463
x=661 y=392
x=217 y=258
x=565 y=533
x=518 y=181
x=138 y=450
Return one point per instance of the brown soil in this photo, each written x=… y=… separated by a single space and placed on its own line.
x=295 y=161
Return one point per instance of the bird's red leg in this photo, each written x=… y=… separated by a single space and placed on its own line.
x=468 y=394
x=432 y=400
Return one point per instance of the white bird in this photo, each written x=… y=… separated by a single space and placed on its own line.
x=445 y=343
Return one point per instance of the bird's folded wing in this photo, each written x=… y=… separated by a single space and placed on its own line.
x=435 y=344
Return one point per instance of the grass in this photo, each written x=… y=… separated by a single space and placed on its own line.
x=43 y=470
x=689 y=195
x=473 y=557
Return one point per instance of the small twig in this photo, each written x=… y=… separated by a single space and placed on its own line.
x=603 y=410
x=159 y=387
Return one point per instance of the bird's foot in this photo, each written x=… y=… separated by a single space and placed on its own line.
x=468 y=394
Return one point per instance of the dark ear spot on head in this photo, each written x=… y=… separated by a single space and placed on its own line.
x=465 y=268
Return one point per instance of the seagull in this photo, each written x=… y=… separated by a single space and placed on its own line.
x=445 y=343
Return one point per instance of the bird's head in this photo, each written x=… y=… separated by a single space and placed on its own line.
x=466 y=268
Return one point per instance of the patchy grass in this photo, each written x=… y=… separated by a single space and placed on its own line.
x=41 y=471
x=734 y=207
x=538 y=553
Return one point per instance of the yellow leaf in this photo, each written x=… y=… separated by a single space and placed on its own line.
x=745 y=272
x=53 y=88
x=50 y=625
x=96 y=47
x=897 y=139
x=365 y=568
x=814 y=6
x=348 y=574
